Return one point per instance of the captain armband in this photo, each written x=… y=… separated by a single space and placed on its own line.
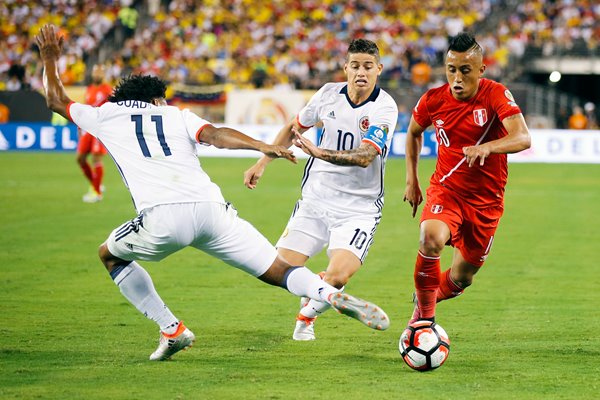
x=377 y=136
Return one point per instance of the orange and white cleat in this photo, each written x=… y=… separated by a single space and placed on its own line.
x=168 y=345
x=305 y=328
x=368 y=313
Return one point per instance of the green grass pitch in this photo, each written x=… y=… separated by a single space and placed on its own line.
x=529 y=327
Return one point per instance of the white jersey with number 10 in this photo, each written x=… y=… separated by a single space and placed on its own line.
x=345 y=127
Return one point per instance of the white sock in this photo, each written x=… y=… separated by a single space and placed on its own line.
x=303 y=282
x=137 y=287
x=315 y=308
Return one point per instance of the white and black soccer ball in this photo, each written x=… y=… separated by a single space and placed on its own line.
x=424 y=345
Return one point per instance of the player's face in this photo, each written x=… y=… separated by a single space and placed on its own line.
x=98 y=73
x=463 y=71
x=362 y=71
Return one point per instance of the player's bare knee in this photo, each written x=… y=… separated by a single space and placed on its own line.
x=109 y=260
x=432 y=244
x=103 y=255
x=276 y=273
x=336 y=279
x=462 y=279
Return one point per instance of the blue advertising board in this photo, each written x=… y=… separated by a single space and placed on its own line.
x=37 y=136
x=46 y=137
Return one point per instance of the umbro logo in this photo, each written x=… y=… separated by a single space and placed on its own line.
x=331 y=115
x=439 y=122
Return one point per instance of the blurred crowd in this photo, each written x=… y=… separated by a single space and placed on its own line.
x=293 y=43
x=82 y=23
x=251 y=43
x=284 y=43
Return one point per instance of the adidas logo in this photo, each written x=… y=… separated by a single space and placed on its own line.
x=331 y=115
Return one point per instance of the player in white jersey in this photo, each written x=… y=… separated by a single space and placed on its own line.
x=154 y=147
x=342 y=187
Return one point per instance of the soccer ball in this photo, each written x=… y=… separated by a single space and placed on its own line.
x=424 y=345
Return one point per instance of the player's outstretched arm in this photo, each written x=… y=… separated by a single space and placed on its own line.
x=228 y=138
x=361 y=156
x=284 y=138
x=518 y=139
x=50 y=45
x=414 y=143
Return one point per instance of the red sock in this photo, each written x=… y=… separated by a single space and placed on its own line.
x=98 y=174
x=427 y=281
x=448 y=289
x=87 y=171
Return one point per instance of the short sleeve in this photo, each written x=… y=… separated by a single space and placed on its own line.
x=84 y=116
x=503 y=102
x=194 y=124
x=421 y=112
x=309 y=115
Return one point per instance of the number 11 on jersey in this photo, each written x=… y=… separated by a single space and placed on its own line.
x=139 y=133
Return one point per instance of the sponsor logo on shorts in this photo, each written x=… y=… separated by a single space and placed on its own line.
x=437 y=208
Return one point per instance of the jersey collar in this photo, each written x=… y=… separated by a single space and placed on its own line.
x=372 y=97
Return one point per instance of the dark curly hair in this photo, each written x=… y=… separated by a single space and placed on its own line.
x=463 y=42
x=138 y=87
x=363 y=46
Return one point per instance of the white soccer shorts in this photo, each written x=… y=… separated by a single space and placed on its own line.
x=214 y=228
x=311 y=228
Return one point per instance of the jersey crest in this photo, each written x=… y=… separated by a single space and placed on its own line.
x=363 y=124
x=437 y=209
x=480 y=116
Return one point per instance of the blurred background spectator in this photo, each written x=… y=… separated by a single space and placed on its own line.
x=219 y=45
x=578 y=120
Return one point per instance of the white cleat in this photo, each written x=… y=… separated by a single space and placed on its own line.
x=368 y=313
x=168 y=345
x=91 y=197
x=305 y=328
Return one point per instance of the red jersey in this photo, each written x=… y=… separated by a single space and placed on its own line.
x=466 y=123
x=96 y=95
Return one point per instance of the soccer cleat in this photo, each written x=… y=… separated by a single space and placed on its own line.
x=92 y=196
x=369 y=314
x=168 y=345
x=305 y=328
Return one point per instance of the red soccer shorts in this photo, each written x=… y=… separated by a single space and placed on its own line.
x=472 y=228
x=89 y=144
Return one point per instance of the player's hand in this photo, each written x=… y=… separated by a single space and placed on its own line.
x=472 y=153
x=414 y=196
x=253 y=174
x=49 y=43
x=276 y=151
x=305 y=144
